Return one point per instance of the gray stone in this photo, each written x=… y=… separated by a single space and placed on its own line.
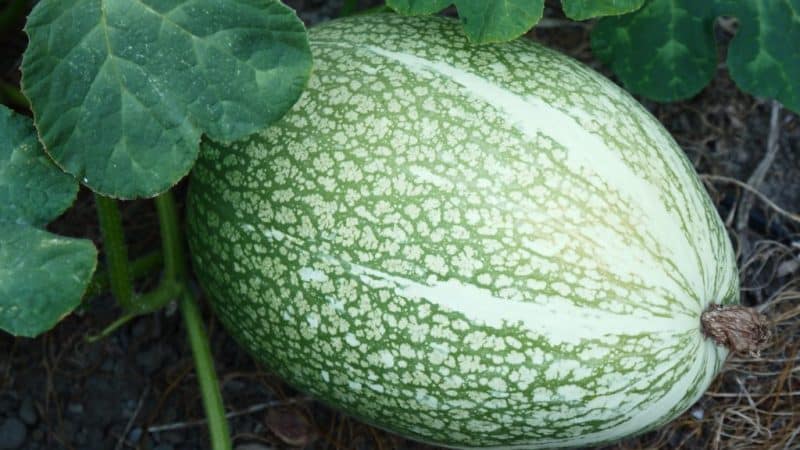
x=150 y=360
x=12 y=434
x=27 y=412
x=102 y=407
x=107 y=366
x=81 y=438
x=134 y=435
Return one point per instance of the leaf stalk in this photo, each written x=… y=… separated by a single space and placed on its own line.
x=119 y=273
x=175 y=269
x=139 y=268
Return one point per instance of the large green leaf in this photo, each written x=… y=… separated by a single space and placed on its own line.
x=123 y=89
x=42 y=276
x=586 y=9
x=764 y=56
x=498 y=21
x=32 y=189
x=664 y=51
x=484 y=21
x=418 y=7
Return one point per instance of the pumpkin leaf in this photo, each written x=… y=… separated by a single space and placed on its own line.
x=122 y=90
x=483 y=21
x=32 y=189
x=42 y=275
x=587 y=9
x=764 y=56
x=418 y=7
x=664 y=51
x=498 y=21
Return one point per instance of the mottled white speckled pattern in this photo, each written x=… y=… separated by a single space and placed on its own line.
x=488 y=247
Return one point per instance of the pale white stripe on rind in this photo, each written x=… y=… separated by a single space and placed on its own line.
x=546 y=316
x=704 y=363
x=586 y=153
x=543 y=315
x=548 y=319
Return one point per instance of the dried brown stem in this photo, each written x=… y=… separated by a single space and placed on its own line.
x=742 y=330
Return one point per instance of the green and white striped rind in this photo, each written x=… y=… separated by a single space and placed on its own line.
x=476 y=246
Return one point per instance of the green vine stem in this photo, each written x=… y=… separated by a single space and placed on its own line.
x=111 y=328
x=166 y=291
x=119 y=273
x=171 y=239
x=175 y=269
x=206 y=376
x=140 y=267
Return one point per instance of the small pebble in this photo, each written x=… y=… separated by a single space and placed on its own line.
x=164 y=447
x=75 y=408
x=27 y=412
x=129 y=406
x=119 y=368
x=150 y=360
x=135 y=435
x=12 y=434
x=107 y=366
x=235 y=386
x=81 y=438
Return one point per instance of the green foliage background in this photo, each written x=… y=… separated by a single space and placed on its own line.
x=664 y=50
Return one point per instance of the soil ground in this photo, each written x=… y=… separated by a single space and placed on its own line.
x=137 y=390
